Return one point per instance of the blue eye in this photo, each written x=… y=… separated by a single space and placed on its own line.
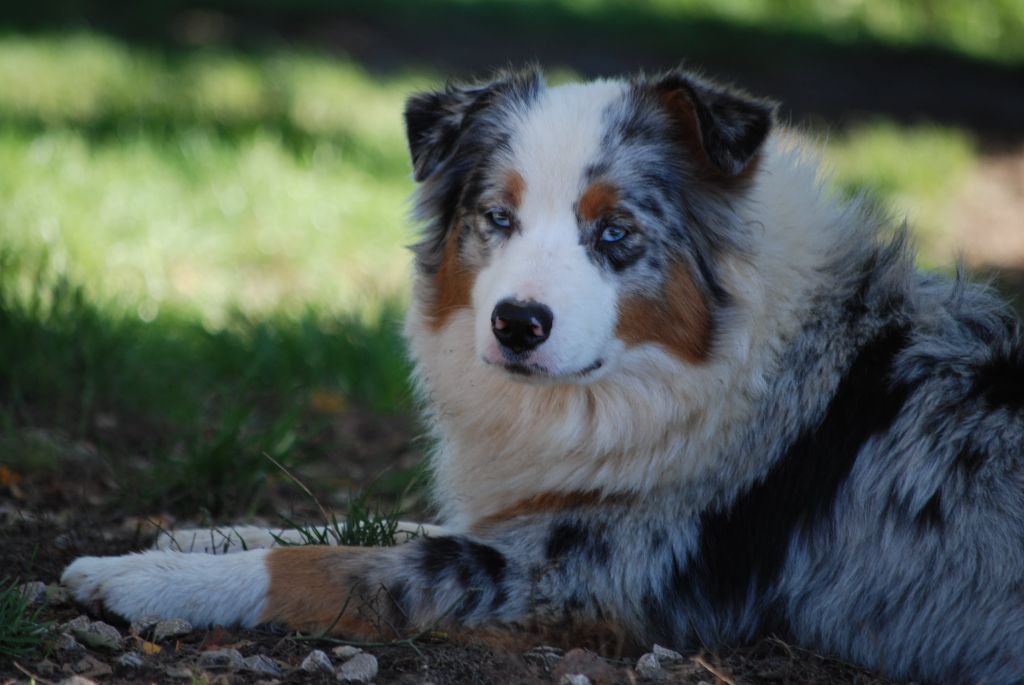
x=613 y=234
x=499 y=217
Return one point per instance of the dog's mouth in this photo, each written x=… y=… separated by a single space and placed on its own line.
x=536 y=371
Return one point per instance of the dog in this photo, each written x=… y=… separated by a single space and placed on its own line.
x=681 y=390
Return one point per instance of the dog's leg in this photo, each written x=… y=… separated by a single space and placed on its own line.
x=512 y=572
x=231 y=539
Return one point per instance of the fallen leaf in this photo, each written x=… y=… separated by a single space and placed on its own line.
x=327 y=402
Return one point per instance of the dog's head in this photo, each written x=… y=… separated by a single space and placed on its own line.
x=571 y=223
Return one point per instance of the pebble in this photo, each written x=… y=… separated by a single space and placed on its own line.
x=262 y=664
x=66 y=643
x=180 y=672
x=228 y=658
x=77 y=680
x=45 y=667
x=98 y=634
x=574 y=679
x=362 y=668
x=547 y=656
x=346 y=651
x=648 y=666
x=317 y=662
x=130 y=660
x=597 y=670
x=89 y=666
x=144 y=624
x=173 y=627
x=33 y=592
x=666 y=654
x=78 y=623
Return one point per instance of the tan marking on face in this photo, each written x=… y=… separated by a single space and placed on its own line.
x=514 y=188
x=679 y=320
x=453 y=283
x=317 y=588
x=597 y=200
x=547 y=502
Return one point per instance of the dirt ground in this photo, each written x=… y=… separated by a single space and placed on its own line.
x=38 y=545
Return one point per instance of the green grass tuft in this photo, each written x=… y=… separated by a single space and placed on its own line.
x=22 y=633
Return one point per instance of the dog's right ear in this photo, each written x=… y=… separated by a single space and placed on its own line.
x=435 y=121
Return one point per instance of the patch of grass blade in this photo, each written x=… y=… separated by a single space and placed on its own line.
x=22 y=633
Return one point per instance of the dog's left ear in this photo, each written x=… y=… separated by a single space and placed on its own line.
x=727 y=126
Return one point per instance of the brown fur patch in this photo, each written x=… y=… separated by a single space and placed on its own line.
x=597 y=200
x=452 y=283
x=316 y=589
x=546 y=502
x=680 y=320
x=515 y=186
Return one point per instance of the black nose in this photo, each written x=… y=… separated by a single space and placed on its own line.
x=521 y=326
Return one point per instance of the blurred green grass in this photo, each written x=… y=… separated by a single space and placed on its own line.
x=196 y=243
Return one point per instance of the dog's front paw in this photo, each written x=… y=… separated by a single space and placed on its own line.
x=84 y=578
x=199 y=588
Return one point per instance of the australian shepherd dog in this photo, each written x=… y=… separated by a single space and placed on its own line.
x=681 y=390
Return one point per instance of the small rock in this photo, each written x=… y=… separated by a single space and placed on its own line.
x=77 y=680
x=34 y=592
x=78 y=623
x=597 y=670
x=574 y=679
x=263 y=665
x=179 y=672
x=129 y=660
x=544 y=655
x=346 y=651
x=46 y=667
x=222 y=659
x=99 y=635
x=66 y=643
x=174 y=627
x=648 y=666
x=317 y=662
x=666 y=654
x=90 y=667
x=143 y=625
x=362 y=668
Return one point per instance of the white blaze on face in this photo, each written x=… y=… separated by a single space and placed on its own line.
x=552 y=147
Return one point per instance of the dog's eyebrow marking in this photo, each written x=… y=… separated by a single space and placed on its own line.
x=513 y=189
x=679 y=320
x=599 y=198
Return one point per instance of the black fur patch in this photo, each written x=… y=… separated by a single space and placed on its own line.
x=743 y=546
x=969 y=461
x=570 y=537
x=478 y=569
x=1001 y=381
x=930 y=517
